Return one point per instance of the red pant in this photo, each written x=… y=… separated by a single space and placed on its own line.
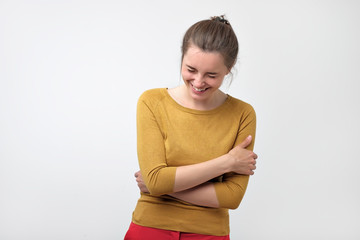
x=137 y=232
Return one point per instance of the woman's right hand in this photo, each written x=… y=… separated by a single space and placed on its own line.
x=243 y=160
x=140 y=182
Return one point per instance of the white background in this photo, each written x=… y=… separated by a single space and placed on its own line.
x=70 y=76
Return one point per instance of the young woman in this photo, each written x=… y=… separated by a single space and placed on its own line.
x=194 y=144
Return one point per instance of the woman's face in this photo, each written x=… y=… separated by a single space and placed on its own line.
x=202 y=72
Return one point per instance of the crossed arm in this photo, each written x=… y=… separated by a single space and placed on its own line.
x=191 y=181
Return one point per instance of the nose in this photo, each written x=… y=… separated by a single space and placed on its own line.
x=199 y=81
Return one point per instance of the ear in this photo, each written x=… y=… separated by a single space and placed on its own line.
x=228 y=71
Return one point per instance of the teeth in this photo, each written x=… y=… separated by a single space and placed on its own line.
x=199 y=90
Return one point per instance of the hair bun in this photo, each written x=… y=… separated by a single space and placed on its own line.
x=220 y=19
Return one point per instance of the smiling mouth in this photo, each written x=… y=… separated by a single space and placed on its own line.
x=199 y=89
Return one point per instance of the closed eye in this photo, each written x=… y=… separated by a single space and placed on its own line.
x=190 y=69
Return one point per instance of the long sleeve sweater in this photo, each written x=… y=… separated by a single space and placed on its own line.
x=170 y=135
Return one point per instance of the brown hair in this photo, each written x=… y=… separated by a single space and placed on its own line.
x=213 y=35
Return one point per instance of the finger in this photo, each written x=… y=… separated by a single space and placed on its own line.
x=252 y=167
x=137 y=174
x=246 y=142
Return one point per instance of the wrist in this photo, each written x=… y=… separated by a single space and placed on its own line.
x=229 y=163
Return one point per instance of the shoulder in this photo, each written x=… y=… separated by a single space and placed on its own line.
x=240 y=106
x=153 y=94
x=244 y=113
x=152 y=97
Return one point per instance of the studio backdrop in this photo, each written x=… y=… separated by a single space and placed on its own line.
x=70 y=76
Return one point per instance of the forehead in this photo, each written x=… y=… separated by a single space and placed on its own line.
x=197 y=58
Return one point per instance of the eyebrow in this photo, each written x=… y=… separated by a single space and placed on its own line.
x=211 y=73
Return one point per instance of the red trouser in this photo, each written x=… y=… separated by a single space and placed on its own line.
x=137 y=232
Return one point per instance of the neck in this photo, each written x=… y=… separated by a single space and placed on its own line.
x=181 y=96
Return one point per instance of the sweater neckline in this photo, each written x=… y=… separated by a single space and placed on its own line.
x=195 y=111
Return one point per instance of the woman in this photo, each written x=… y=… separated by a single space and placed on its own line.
x=194 y=144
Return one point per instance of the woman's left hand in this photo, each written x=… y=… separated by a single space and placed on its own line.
x=140 y=182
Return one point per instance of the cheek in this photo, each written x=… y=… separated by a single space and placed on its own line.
x=186 y=75
x=216 y=83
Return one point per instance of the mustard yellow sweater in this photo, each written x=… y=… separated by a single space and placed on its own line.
x=170 y=135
